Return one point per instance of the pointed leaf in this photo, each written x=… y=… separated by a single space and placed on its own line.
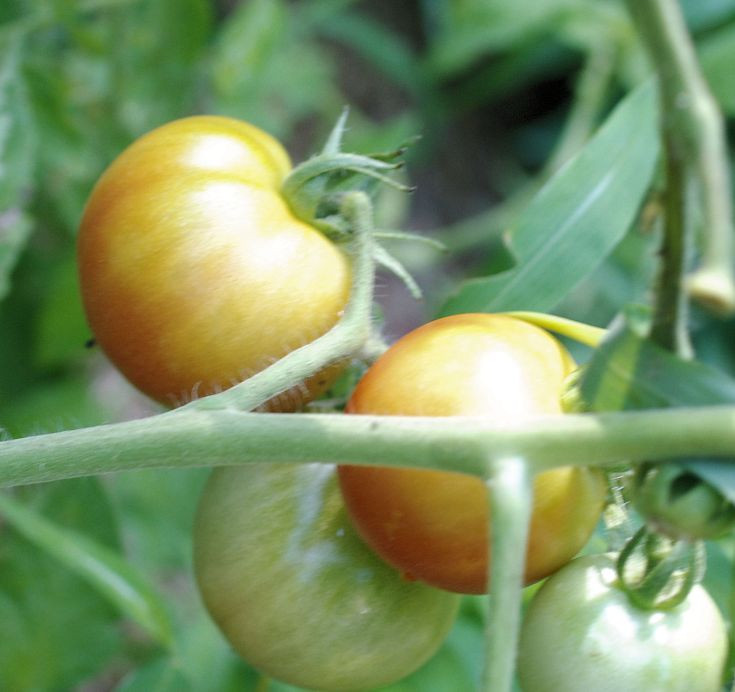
x=577 y=218
x=163 y=675
x=629 y=372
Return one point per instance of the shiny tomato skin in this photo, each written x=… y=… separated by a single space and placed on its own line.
x=581 y=633
x=194 y=272
x=432 y=525
x=297 y=593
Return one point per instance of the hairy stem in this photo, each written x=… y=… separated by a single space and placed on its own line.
x=196 y=438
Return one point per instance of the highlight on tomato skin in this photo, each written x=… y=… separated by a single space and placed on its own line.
x=194 y=272
x=433 y=525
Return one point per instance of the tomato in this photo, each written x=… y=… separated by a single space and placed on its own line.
x=297 y=593
x=194 y=272
x=582 y=633
x=433 y=525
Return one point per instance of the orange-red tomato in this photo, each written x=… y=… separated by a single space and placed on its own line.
x=432 y=525
x=195 y=274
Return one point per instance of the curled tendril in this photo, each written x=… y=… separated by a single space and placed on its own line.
x=657 y=572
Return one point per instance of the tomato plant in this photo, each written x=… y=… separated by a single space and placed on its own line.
x=581 y=632
x=195 y=273
x=295 y=590
x=432 y=525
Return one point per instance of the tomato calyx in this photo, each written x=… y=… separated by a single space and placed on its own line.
x=315 y=188
x=657 y=572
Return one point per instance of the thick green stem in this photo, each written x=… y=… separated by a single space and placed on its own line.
x=346 y=339
x=510 y=489
x=694 y=138
x=669 y=328
x=194 y=438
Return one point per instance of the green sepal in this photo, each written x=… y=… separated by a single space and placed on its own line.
x=387 y=261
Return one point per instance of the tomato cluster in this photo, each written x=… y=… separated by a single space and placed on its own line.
x=196 y=274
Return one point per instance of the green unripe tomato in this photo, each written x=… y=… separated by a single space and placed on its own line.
x=582 y=633
x=679 y=503
x=297 y=593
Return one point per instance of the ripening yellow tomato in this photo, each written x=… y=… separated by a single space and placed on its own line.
x=195 y=274
x=431 y=525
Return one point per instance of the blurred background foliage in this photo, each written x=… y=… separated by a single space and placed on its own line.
x=502 y=92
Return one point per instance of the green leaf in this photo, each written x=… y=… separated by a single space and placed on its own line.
x=629 y=372
x=245 y=43
x=624 y=277
x=32 y=629
x=477 y=27
x=50 y=406
x=61 y=328
x=38 y=600
x=577 y=218
x=163 y=675
x=704 y=14
x=717 y=56
x=16 y=157
x=157 y=506
x=16 y=138
x=101 y=567
x=78 y=504
x=15 y=229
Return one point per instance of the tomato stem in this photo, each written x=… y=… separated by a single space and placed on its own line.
x=695 y=150
x=510 y=495
x=192 y=437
